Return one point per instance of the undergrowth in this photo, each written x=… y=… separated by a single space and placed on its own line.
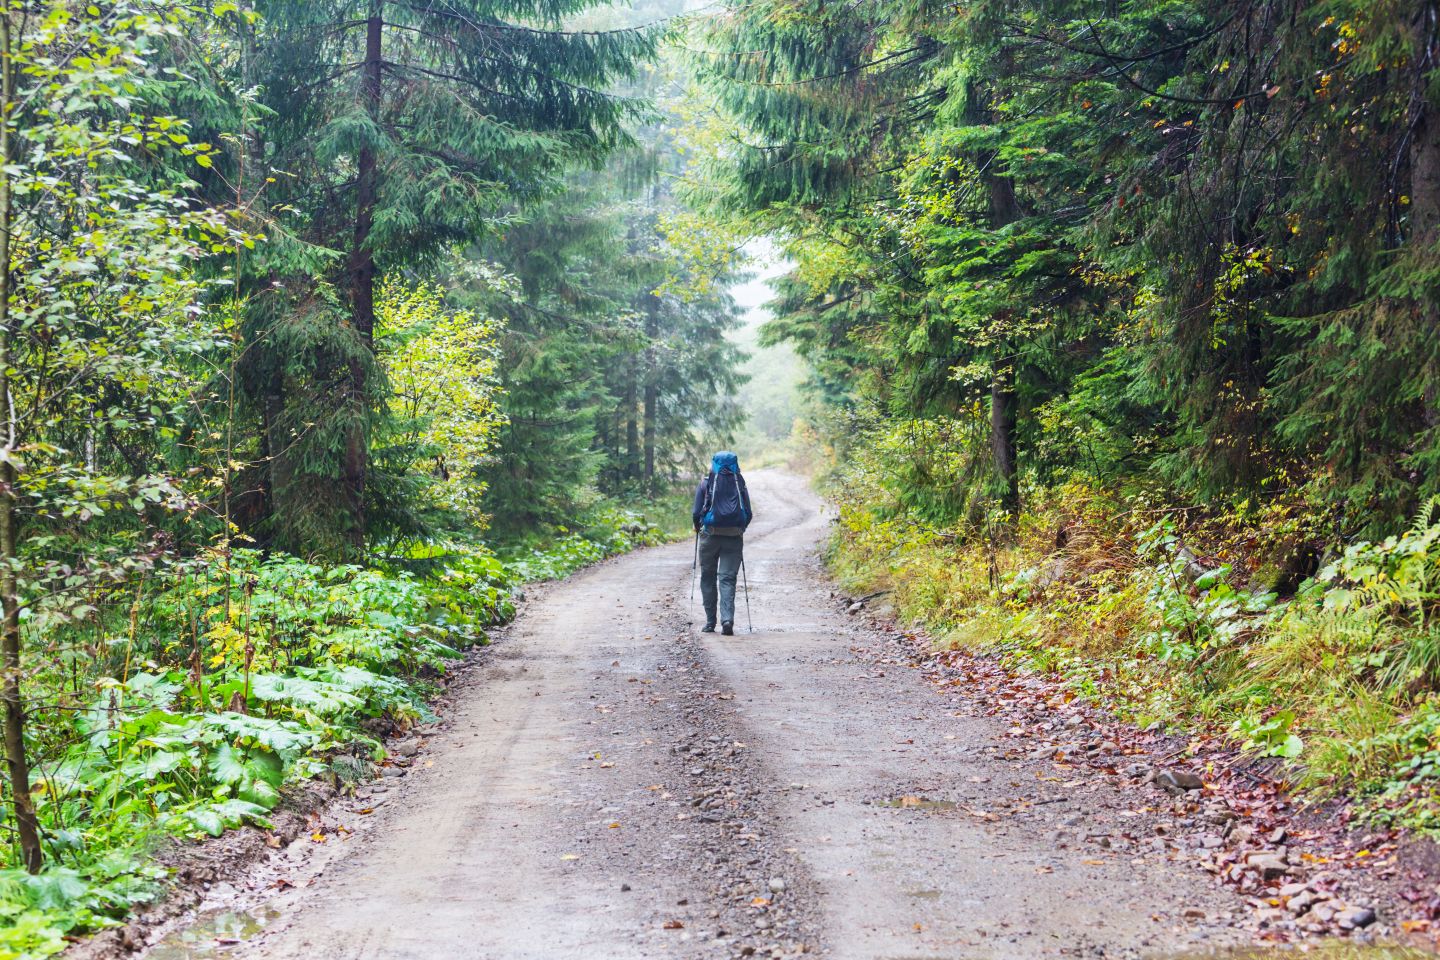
x=187 y=706
x=1214 y=619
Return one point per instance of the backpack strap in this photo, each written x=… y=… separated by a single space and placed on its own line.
x=709 y=493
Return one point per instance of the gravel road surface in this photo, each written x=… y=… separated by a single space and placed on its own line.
x=611 y=784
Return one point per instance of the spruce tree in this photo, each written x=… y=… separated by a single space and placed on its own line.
x=389 y=133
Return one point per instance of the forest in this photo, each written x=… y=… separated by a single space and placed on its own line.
x=1120 y=327
x=326 y=325
x=323 y=327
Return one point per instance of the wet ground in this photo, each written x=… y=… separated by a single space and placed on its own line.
x=612 y=784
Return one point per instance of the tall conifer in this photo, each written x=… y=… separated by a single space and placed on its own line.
x=394 y=132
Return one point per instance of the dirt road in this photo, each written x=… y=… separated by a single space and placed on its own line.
x=612 y=784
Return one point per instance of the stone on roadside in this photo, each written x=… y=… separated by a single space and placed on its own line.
x=1355 y=918
x=1271 y=915
x=1301 y=902
x=776 y=885
x=1178 y=781
x=1268 y=865
x=407 y=748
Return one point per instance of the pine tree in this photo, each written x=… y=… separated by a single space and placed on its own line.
x=1044 y=197
x=389 y=133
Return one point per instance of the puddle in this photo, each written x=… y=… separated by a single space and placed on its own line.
x=917 y=803
x=1319 y=951
x=923 y=894
x=212 y=935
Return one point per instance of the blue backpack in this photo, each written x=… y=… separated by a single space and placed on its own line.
x=724 y=503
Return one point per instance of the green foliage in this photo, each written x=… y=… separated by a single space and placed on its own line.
x=442 y=367
x=1337 y=678
x=608 y=530
x=36 y=911
x=227 y=679
x=373 y=143
x=1121 y=320
x=266 y=287
x=621 y=377
x=1270 y=737
x=1149 y=244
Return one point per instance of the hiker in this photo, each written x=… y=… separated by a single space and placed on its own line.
x=721 y=514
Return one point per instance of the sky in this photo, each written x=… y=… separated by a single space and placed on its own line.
x=772 y=394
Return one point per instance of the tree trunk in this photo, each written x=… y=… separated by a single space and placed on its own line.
x=273 y=445
x=1425 y=146
x=652 y=388
x=1004 y=210
x=632 y=424
x=17 y=764
x=1424 y=211
x=362 y=284
x=1002 y=436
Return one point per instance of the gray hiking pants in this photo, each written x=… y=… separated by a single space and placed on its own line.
x=719 y=561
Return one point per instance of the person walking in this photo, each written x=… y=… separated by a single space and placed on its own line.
x=721 y=513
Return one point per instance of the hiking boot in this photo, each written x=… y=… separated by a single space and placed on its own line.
x=708 y=628
x=727 y=628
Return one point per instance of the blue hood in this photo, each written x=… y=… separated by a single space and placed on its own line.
x=724 y=460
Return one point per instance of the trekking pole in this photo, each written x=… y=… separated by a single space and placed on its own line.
x=694 y=566
x=748 y=621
